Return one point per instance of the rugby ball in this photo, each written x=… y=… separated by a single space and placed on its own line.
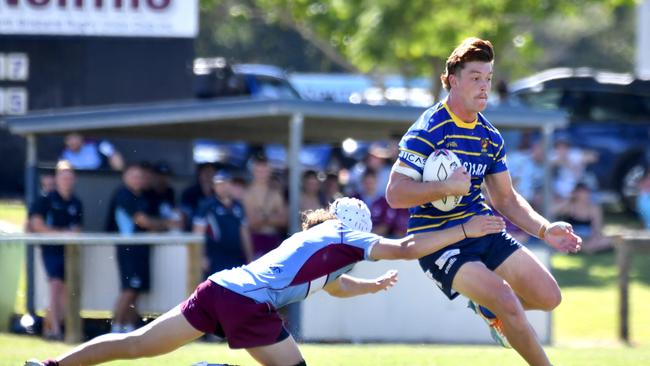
x=439 y=166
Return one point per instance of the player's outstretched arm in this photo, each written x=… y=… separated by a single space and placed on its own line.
x=512 y=205
x=417 y=246
x=348 y=286
x=405 y=191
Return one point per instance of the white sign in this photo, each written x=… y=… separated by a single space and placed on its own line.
x=16 y=67
x=15 y=102
x=119 y=18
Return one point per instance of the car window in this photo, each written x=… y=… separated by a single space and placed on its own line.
x=273 y=88
x=545 y=99
x=592 y=105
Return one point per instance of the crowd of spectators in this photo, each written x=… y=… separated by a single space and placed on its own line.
x=243 y=213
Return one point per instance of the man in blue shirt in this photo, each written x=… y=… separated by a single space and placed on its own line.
x=58 y=211
x=129 y=213
x=477 y=268
x=222 y=220
x=240 y=304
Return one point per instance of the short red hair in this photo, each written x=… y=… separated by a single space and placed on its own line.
x=471 y=49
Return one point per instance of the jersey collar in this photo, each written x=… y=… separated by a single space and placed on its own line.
x=459 y=122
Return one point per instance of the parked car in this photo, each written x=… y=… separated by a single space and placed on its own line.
x=214 y=78
x=609 y=113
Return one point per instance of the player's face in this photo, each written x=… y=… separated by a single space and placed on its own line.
x=473 y=84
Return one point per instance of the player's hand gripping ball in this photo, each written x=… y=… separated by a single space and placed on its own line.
x=438 y=167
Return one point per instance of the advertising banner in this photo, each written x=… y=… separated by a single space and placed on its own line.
x=109 y=18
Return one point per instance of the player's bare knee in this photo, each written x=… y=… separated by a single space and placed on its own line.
x=508 y=304
x=552 y=299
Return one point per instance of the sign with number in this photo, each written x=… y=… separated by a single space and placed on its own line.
x=16 y=67
x=15 y=101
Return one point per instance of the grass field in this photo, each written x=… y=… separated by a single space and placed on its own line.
x=584 y=329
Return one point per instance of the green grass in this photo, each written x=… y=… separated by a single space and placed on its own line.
x=15 y=349
x=13 y=212
x=589 y=310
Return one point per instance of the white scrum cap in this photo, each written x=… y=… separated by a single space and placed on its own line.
x=353 y=213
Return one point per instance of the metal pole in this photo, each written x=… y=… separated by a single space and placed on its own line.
x=547 y=142
x=30 y=196
x=295 y=170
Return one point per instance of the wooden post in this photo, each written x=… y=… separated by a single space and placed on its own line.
x=194 y=266
x=73 y=331
x=623 y=262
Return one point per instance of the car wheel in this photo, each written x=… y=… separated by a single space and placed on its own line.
x=628 y=186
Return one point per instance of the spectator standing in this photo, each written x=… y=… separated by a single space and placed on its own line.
x=194 y=194
x=311 y=199
x=643 y=199
x=331 y=188
x=129 y=213
x=527 y=170
x=163 y=194
x=376 y=160
x=59 y=211
x=265 y=208
x=222 y=220
x=84 y=154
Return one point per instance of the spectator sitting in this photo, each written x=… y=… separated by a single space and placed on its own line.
x=222 y=220
x=59 y=211
x=643 y=199
x=586 y=217
x=90 y=155
x=571 y=163
x=47 y=183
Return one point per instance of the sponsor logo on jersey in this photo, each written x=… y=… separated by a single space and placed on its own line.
x=276 y=269
x=412 y=158
x=484 y=145
x=451 y=144
x=440 y=262
x=449 y=264
x=475 y=170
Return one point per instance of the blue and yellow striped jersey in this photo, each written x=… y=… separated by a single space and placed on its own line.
x=478 y=145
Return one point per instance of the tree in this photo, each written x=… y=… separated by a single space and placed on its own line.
x=416 y=36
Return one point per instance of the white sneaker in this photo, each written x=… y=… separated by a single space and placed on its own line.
x=34 y=362
x=496 y=327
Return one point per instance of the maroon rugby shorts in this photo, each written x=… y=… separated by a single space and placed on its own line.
x=244 y=322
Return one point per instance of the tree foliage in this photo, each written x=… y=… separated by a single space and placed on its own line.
x=415 y=36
